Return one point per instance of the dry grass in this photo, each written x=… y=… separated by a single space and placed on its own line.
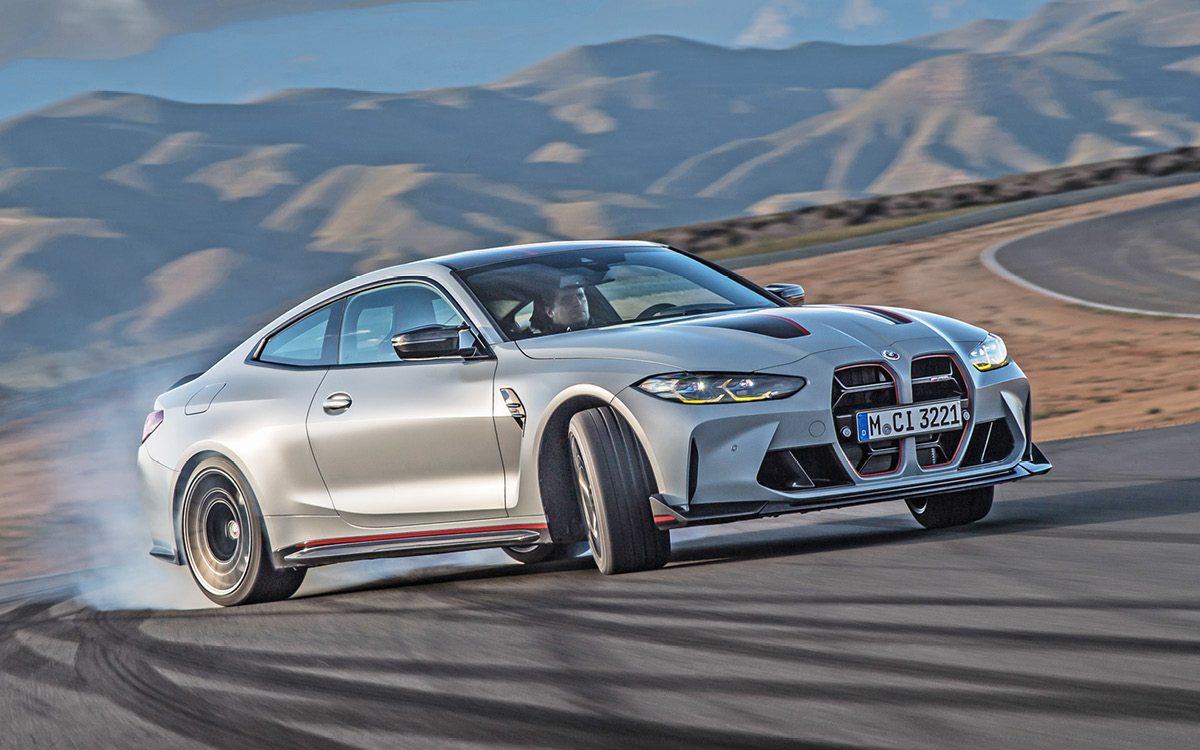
x=834 y=235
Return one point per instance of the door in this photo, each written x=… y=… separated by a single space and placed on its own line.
x=405 y=442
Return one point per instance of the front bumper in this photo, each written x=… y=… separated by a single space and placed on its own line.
x=666 y=517
x=708 y=460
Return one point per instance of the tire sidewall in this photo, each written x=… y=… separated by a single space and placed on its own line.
x=621 y=531
x=599 y=537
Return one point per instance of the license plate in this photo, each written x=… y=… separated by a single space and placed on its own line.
x=918 y=419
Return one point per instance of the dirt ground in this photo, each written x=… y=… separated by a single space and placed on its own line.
x=1091 y=371
x=68 y=490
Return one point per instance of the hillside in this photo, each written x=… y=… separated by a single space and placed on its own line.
x=131 y=225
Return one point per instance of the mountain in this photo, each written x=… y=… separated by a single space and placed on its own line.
x=132 y=226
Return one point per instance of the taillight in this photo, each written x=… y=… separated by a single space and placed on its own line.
x=153 y=420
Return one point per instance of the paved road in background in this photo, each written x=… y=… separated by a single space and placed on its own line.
x=978 y=218
x=1070 y=615
x=1145 y=259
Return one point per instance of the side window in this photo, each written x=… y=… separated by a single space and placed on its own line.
x=373 y=317
x=310 y=341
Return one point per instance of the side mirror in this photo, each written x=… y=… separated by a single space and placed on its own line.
x=793 y=294
x=432 y=342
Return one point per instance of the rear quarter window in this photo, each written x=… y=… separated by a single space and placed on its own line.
x=310 y=341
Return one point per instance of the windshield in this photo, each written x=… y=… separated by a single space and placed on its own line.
x=578 y=289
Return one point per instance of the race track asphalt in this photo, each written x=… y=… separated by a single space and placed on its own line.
x=1145 y=259
x=1070 y=616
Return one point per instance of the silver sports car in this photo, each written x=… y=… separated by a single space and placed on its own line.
x=534 y=397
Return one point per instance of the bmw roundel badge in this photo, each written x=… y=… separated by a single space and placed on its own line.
x=889 y=354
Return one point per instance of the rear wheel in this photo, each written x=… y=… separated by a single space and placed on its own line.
x=224 y=541
x=951 y=509
x=613 y=484
x=536 y=553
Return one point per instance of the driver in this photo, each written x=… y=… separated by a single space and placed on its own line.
x=564 y=308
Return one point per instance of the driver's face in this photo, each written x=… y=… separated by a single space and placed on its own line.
x=569 y=307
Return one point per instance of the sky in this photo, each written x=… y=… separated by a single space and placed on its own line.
x=202 y=50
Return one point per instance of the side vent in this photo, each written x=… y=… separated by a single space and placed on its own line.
x=515 y=408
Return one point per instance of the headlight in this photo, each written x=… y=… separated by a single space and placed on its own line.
x=990 y=354
x=719 y=388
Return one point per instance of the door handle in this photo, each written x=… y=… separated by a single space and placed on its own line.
x=336 y=403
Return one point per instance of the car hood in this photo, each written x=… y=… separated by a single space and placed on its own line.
x=750 y=341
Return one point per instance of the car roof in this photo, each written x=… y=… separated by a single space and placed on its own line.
x=487 y=256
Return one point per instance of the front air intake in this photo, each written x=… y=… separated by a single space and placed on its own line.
x=808 y=468
x=991 y=442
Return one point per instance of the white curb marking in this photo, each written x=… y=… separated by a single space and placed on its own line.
x=988 y=258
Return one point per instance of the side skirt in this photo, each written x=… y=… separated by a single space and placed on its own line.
x=326 y=551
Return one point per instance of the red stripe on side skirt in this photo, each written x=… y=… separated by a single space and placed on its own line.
x=413 y=534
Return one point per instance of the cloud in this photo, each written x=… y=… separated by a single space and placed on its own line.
x=772 y=23
x=859 y=13
x=106 y=29
x=943 y=8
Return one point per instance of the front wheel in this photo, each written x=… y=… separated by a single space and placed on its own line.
x=952 y=508
x=224 y=542
x=613 y=483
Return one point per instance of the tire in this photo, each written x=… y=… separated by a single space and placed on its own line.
x=224 y=542
x=613 y=485
x=952 y=509
x=536 y=553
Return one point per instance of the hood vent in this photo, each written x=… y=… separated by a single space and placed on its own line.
x=887 y=315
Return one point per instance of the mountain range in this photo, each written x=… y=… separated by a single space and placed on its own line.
x=132 y=226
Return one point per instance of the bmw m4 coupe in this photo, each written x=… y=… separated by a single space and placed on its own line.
x=536 y=397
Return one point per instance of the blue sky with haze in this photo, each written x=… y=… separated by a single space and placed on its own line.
x=417 y=45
